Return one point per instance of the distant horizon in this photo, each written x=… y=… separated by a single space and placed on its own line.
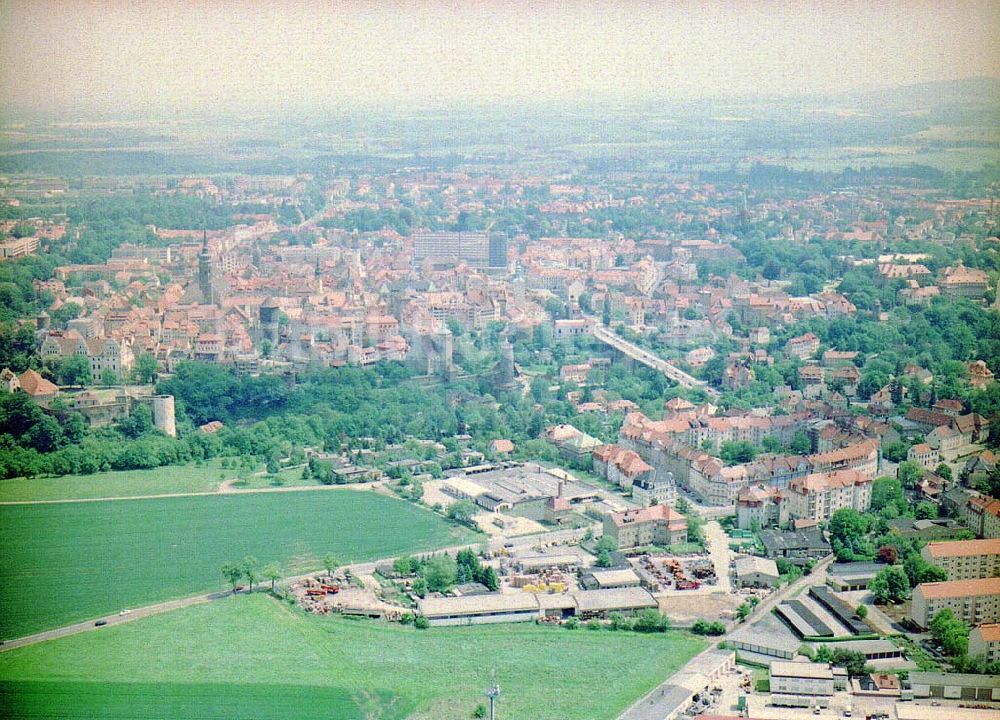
x=183 y=59
x=13 y=114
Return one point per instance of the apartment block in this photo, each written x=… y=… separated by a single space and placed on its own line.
x=985 y=640
x=819 y=495
x=965 y=559
x=973 y=601
x=656 y=525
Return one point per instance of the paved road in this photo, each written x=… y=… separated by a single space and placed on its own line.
x=112 y=620
x=718 y=550
x=647 y=705
x=366 y=568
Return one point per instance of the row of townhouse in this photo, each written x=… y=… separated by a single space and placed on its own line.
x=815 y=496
x=695 y=430
x=715 y=483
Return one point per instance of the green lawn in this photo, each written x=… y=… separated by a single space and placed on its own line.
x=250 y=657
x=68 y=562
x=125 y=483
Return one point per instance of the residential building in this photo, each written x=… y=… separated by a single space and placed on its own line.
x=655 y=525
x=574 y=445
x=982 y=515
x=973 y=601
x=923 y=455
x=453 y=247
x=985 y=640
x=654 y=489
x=18 y=247
x=819 y=495
x=34 y=385
x=979 y=374
x=945 y=441
x=803 y=346
x=759 y=505
x=965 y=559
x=621 y=466
x=960 y=281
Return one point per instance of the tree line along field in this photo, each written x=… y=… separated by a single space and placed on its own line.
x=250 y=656
x=68 y=562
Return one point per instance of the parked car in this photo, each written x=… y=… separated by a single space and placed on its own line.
x=100 y=623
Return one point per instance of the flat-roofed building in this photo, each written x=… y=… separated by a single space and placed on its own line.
x=603 y=579
x=675 y=696
x=874 y=649
x=598 y=603
x=965 y=559
x=850 y=576
x=912 y=711
x=985 y=640
x=957 y=686
x=480 y=609
x=801 y=678
x=973 y=601
x=452 y=247
x=526 y=607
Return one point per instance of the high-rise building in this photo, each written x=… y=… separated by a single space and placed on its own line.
x=205 y=270
x=498 y=250
x=452 y=247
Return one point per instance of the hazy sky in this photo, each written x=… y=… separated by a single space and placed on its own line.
x=171 y=55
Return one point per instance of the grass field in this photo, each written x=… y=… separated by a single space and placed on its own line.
x=249 y=657
x=142 y=483
x=63 y=563
x=125 y=483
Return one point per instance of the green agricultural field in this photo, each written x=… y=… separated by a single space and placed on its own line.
x=251 y=657
x=125 y=483
x=143 y=483
x=68 y=562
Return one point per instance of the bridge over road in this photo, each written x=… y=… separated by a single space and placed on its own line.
x=633 y=351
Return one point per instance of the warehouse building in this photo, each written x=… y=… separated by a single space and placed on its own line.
x=957 y=686
x=765 y=640
x=873 y=649
x=480 y=609
x=756 y=572
x=849 y=576
x=607 y=579
x=526 y=607
x=683 y=689
x=803 y=678
x=975 y=602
